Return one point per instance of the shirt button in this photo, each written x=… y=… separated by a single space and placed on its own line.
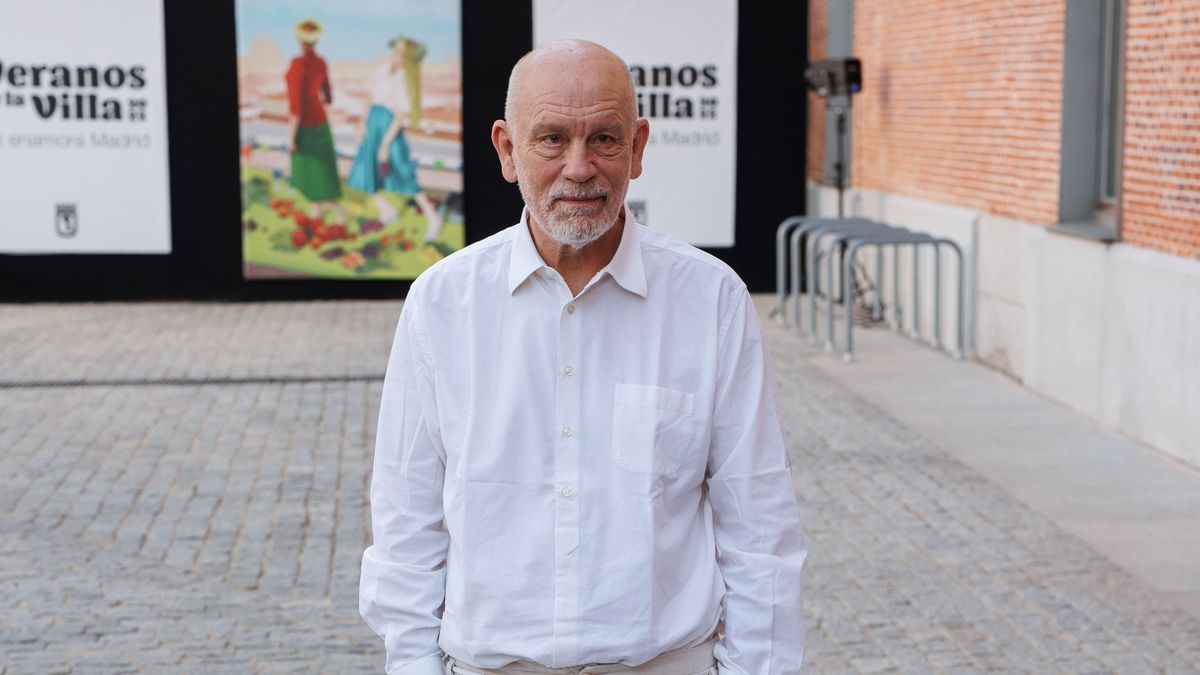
x=570 y=309
x=567 y=431
x=566 y=492
x=568 y=371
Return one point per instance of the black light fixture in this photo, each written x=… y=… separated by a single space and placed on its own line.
x=834 y=77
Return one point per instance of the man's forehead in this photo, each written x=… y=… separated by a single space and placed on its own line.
x=606 y=118
x=574 y=93
x=573 y=79
x=577 y=102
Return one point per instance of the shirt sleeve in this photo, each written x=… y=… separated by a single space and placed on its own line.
x=755 y=516
x=403 y=582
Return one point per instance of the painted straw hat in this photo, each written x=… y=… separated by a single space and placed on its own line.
x=309 y=31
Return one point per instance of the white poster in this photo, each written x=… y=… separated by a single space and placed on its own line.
x=683 y=55
x=83 y=128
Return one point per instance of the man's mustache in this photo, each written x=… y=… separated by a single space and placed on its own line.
x=593 y=192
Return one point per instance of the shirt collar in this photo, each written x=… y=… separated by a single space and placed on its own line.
x=625 y=268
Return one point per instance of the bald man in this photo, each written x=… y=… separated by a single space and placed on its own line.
x=579 y=465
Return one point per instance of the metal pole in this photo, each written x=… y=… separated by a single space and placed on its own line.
x=960 y=345
x=937 y=297
x=878 y=307
x=795 y=257
x=829 y=264
x=814 y=239
x=916 y=301
x=847 y=262
x=838 y=167
x=895 y=287
x=781 y=251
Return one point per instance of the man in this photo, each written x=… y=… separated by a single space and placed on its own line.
x=579 y=467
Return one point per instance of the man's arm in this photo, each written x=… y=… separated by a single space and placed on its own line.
x=754 y=509
x=403 y=581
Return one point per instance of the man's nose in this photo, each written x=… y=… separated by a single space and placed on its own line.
x=579 y=166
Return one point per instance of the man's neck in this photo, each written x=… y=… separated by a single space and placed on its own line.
x=577 y=265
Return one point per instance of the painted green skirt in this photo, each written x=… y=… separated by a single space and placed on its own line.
x=314 y=164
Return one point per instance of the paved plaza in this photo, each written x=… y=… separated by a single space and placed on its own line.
x=183 y=489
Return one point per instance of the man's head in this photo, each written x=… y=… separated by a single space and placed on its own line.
x=571 y=138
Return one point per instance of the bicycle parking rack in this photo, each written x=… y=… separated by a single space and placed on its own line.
x=849 y=236
x=783 y=244
x=840 y=228
x=879 y=242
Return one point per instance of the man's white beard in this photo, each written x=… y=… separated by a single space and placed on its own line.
x=574 y=227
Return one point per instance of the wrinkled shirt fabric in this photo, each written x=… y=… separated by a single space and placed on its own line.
x=570 y=480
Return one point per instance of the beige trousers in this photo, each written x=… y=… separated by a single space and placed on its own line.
x=696 y=660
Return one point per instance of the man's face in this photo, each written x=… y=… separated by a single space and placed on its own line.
x=573 y=146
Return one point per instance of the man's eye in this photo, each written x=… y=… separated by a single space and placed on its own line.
x=553 y=139
x=604 y=138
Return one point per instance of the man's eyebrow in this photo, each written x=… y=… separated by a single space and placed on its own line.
x=610 y=128
x=547 y=127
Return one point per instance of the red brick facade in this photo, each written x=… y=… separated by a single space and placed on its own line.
x=1161 y=180
x=961 y=104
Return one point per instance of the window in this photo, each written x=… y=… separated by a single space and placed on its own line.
x=1110 y=103
x=1090 y=159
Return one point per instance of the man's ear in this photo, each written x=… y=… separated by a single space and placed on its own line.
x=641 y=134
x=504 y=150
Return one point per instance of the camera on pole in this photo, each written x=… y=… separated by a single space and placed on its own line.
x=836 y=78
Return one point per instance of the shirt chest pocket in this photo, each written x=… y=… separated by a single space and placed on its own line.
x=652 y=428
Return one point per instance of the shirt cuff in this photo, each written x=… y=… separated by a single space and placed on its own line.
x=426 y=665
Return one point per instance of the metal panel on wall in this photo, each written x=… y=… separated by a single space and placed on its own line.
x=83 y=128
x=683 y=56
x=351 y=137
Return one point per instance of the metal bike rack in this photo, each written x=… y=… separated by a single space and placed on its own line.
x=781 y=261
x=840 y=238
x=897 y=239
x=838 y=227
x=801 y=235
x=787 y=254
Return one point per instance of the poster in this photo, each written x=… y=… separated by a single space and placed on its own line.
x=83 y=128
x=683 y=56
x=351 y=137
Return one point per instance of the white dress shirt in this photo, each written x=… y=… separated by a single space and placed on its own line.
x=591 y=479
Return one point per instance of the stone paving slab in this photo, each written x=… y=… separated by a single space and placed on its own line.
x=216 y=525
x=189 y=341
x=1134 y=505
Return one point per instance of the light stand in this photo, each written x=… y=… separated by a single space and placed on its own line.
x=839 y=165
x=832 y=78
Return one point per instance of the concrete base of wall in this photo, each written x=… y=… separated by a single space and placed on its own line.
x=1110 y=330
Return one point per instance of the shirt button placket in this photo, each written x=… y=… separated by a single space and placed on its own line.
x=566 y=487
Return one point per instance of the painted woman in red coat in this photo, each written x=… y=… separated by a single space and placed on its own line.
x=310 y=142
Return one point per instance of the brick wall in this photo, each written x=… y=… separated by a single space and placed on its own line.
x=1161 y=179
x=818 y=46
x=961 y=103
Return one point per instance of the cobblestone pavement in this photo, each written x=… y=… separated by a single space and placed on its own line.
x=183 y=488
